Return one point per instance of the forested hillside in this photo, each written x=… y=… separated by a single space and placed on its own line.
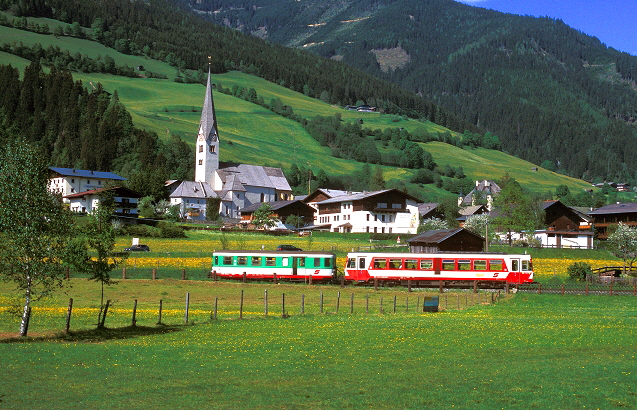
x=554 y=95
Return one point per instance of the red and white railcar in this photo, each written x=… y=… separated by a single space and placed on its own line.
x=492 y=267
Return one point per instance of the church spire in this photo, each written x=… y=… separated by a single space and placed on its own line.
x=207 y=151
x=208 y=123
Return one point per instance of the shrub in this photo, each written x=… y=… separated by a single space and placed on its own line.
x=141 y=230
x=169 y=230
x=579 y=270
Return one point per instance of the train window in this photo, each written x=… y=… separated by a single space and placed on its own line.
x=284 y=261
x=361 y=263
x=351 y=263
x=227 y=260
x=426 y=264
x=448 y=264
x=327 y=262
x=464 y=264
x=301 y=262
x=480 y=264
x=216 y=261
x=315 y=262
x=495 y=265
x=515 y=265
x=380 y=263
x=526 y=265
x=242 y=260
x=256 y=261
x=395 y=263
x=270 y=261
x=410 y=264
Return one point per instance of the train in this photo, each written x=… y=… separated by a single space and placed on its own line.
x=286 y=265
x=379 y=267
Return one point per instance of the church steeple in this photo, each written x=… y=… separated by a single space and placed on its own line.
x=207 y=150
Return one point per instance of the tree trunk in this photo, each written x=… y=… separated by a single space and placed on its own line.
x=24 y=324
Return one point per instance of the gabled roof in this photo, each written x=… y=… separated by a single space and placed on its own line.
x=83 y=173
x=254 y=175
x=277 y=205
x=439 y=235
x=119 y=191
x=192 y=189
x=471 y=210
x=628 y=207
x=424 y=209
x=364 y=195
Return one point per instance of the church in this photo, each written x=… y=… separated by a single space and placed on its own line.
x=233 y=186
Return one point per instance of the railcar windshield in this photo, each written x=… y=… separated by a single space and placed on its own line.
x=351 y=263
x=527 y=265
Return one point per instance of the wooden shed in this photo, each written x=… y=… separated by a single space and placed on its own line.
x=446 y=240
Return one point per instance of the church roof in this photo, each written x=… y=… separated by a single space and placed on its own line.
x=253 y=175
x=208 y=122
x=192 y=189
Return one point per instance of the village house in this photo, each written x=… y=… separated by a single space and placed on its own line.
x=484 y=191
x=565 y=227
x=67 y=181
x=281 y=210
x=613 y=214
x=446 y=240
x=236 y=185
x=124 y=199
x=385 y=211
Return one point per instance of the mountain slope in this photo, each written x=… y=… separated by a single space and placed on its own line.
x=553 y=94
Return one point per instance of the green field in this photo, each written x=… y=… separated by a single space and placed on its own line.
x=524 y=351
x=252 y=134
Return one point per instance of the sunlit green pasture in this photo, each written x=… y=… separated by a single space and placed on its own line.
x=528 y=351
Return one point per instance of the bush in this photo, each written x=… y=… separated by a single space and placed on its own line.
x=579 y=270
x=141 y=230
x=168 y=230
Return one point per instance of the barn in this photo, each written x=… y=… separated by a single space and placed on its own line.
x=446 y=240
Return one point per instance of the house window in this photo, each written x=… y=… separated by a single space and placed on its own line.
x=99 y=182
x=396 y=206
x=201 y=148
x=72 y=180
x=367 y=217
x=212 y=149
x=201 y=162
x=88 y=181
x=381 y=205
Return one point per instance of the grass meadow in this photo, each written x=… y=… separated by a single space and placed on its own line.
x=524 y=351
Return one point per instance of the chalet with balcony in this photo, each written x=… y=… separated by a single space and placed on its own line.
x=386 y=211
x=613 y=214
x=125 y=200
x=70 y=181
x=281 y=210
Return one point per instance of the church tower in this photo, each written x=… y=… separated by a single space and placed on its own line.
x=207 y=148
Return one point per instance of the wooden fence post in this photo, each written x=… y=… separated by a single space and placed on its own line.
x=265 y=303
x=67 y=275
x=475 y=286
x=134 y=319
x=161 y=302
x=124 y=273
x=367 y=303
x=183 y=274
x=342 y=281
x=216 y=305
x=303 y=303
x=154 y=273
x=440 y=286
x=244 y=277
x=407 y=304
x=321 y=302
x=187 y=307
x=409 y=286
x=68 y=316
x=351 y=304
x=241 y=305
x=381 y=306
x=611 y=289
x=283 y=315
x=274 y=278
x=338 y=301
x=310 y=283
x=375 y=283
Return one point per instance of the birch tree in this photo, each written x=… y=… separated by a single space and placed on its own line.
x=34 y=227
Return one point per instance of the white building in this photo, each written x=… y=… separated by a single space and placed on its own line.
x=386 y=211
x=237 y=185
x=125 y=200
x=68 y=181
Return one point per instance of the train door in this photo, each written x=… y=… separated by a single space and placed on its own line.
x=298 y=265
x=515 y=269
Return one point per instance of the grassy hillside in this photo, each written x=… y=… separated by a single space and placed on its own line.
x=253 y=134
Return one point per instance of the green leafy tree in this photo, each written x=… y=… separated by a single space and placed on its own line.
x=294 y=220
x=263 y=218
x=92 y=253
x=623 y=244
x=579 y=270
x=34 y=227
x=515 y=210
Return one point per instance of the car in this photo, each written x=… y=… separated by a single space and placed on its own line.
x=288 y=248
x=138 y=248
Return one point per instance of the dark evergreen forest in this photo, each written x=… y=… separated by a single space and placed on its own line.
x=554 y=95
x=77 y=128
